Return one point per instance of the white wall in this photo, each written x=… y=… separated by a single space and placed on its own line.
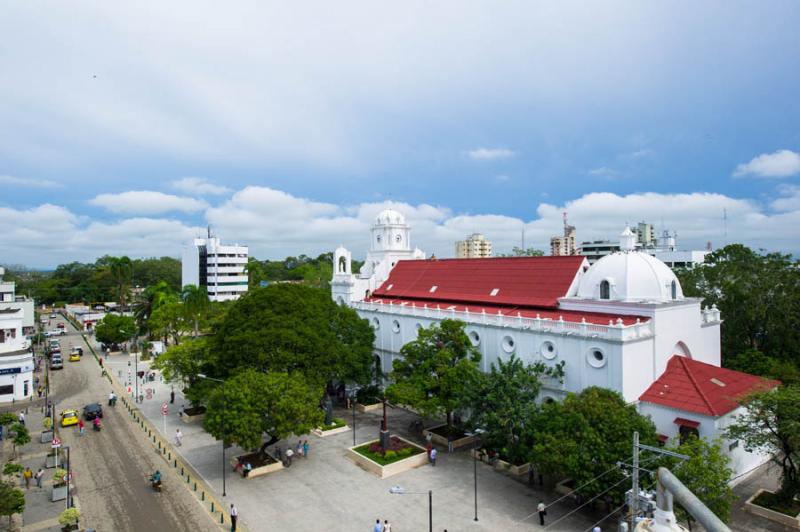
x=190 y=266
x=23 y=363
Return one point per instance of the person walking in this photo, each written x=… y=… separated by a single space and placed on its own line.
x=289 y=454
x=81 y=426
x=38 y=476
x=377 y=527
x=171 y=396
x=306 y=448
x=387 y=526
x=178 y=437
x=433 y=457
x=299 y=449
x=542 y=509
x=21 y=418
x=27 y=475
x=234 y=517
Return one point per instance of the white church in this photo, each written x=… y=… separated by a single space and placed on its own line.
x=622 y=323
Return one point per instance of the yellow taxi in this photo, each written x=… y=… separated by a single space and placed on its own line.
x=74 y=357
x=69 y=417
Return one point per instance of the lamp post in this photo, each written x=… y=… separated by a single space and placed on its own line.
x=69 y=474
x=136 y=369
x=476 y=433
x=397 y=490
x=222 y=382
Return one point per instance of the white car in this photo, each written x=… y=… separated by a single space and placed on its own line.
x=53 y=316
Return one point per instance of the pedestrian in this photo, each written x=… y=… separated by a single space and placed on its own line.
x=247 y=468
x=449 y=443
x=21 y=418
x=279 y=453
x=299 y=449
x=433 y=457
x=39 y=391
x=234 y=517
x=38 y=476
x=387 y=526
x=542 y=509
x=596 y=529
x=289 y=454
x=27 y=475
x=178 y=437
x=377 y=527
x=81 y=426
x=306 y=447
x=171 y=396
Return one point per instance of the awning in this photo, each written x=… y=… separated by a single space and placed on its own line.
x=686 y=423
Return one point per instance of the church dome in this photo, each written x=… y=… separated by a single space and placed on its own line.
x=390 y=217
x=630 y=276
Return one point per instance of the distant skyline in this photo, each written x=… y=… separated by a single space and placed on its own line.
x=288 y=127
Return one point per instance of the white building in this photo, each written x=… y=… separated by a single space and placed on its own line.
x=474 y=247
x=617 y=324
x=10 y=299
x=16 y=358
x=664 y=248
x=221 y=269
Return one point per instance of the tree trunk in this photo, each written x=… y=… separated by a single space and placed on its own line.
x=263 y=450
x=449 y=419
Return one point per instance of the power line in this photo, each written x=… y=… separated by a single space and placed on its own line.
x=587 y=502
x=615 y=510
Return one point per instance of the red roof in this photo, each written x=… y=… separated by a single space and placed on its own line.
x=702 y=388
x=513 y=281
x=595 y=318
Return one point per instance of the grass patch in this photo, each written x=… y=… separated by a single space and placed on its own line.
x=336 y=423
x=398 y=450
x=773 y=502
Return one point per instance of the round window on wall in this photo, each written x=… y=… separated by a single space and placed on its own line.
x=549 y=350
x=596 y=358
x=508 y=344
x=396 y=326
x=376 y=323
x=474 y=338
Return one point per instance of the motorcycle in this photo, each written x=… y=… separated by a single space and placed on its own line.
x=96 y=425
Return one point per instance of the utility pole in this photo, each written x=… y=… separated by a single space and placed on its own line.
x=634 y=510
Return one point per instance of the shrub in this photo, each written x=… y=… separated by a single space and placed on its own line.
x=69 y=516
x=390 y=455
x=58 y=477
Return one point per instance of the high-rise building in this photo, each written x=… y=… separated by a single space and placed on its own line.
x=564 y=245
x=221 y=269
x=475 y=246
x=645 y=235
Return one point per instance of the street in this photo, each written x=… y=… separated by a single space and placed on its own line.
x=110 y=467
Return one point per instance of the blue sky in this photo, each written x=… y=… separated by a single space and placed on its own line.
x=467 y=116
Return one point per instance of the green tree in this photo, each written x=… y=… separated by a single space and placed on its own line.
x=183 y=362
x=771 y=424
x=294 y=328
x=504 y=399
x=585 y=436
x=12 y=501
x=435 y=370
x=115 y=329
x=195 y=304
x=519 y=252
x=21 y=436
x=759 y=297
x=706 y=473
x=168 y=318
x=121 y=271
x=275 y=403
x=143 y=308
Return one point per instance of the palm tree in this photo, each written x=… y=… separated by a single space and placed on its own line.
x=121 y=270
x=195 y=304
x=144 y=307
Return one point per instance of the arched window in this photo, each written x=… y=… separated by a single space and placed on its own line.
x=342 y=265
x=674 y=288
x=605 y=290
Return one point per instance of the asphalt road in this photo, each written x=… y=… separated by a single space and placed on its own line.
x=110 y=467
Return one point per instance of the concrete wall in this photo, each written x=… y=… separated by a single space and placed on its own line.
x=23 y=364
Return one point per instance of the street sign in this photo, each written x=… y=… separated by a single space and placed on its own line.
x=164 y=409
x=56 y=443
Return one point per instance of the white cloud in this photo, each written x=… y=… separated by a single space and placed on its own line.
x=28 y=182
x=782 y=163
x=199 y=186
x=603 y=171
x=789 y=200
x=490 y=154
x=147 y=202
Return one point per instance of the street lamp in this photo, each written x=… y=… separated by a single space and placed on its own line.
x=136 y=369
x=476 y=433
x=397 y=490
x=222 y=382
x=69 y=474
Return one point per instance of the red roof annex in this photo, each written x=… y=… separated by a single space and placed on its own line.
x=513 y=281
x=702 y=388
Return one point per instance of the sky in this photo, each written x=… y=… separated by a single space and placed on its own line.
x=127 y=128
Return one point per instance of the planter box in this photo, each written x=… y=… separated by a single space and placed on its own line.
x=324 y=433
x=772 y=515
x=59 y=493
x=565 y=488
x=50 y=461
x=263 y=470
x=442 y=441
x=392 y=469
x=197 y=418
x=368 y=408
x=512 y=469
x=46 y=437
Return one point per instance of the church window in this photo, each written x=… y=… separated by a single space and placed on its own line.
x=342 y=265
x=674 y=287
x=605 y=290
x=396 y=326
x=399 y=238
x=549 y=350
x=508 y=344
x=474 y=338
x=376 y=323
x=596 y=358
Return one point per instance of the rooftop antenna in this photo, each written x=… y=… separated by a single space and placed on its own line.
x=523 y=236
x=725 y=223
x=209 y=230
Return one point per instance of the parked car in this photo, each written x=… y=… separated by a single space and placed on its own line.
x=56 y=362
x=69 y=417
x=53 y=316
x=92 y=411
x=60 y=325
x=78 y=350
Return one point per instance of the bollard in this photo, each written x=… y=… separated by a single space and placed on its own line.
x=202 y=495
x=182 y=473
x=169 y=456
x=212 y=507
x=221 y=518
x=175 y=463
x=195 y=486
x=188 y=479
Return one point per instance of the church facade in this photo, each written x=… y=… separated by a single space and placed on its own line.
x=619 y=323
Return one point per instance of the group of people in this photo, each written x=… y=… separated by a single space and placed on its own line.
x=28 y=474
x=432 y=452
x=243 y=466
x=301 y=450
x=385 y=527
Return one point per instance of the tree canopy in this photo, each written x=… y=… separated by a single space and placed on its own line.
x=115 y=329
x=435 y=370
x=12 y=500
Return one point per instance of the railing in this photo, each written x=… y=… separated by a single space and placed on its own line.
x=615 y=330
